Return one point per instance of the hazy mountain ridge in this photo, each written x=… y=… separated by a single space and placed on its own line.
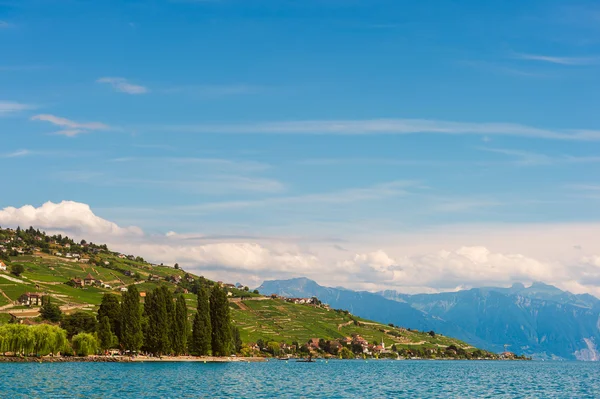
x=539 y=320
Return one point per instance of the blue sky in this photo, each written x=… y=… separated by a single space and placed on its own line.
x=332 y=121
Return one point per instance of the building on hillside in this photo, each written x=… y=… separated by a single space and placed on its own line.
x=2 y=266
x=121 y=256
x=228 y=285
x=123 y=289
x=77 y=282
x=84 y=260
x=89 y=280
x=153 y=277
x=106 y=263
x=31 y=299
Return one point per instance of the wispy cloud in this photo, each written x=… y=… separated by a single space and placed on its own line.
x=213 y=91
x=16 y=154
x=211 y=163
x=387 y=126
x=534 y=158
x=11 y=107
x=502 y=69
x=351 y=195
x=123 y=86
x=70 y=128
x=214 y=185
x=5 y=25
x=559 y=60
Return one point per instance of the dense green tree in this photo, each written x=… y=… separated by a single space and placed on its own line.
x=132 y=336
x=346 y=353
x=200 y=344
x=111 y=308
x=180 y=327
x=49 y=311
x=78 y=322
x=236 y=339
x=220 y=322
x=157 y=309
x=106 y=338
x=85 y=344
x=17 y=269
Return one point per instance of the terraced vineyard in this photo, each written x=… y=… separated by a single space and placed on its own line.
x=278 y=320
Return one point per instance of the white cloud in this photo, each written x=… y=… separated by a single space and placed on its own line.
x=560 y=60
x=5 y=25
x=70 y=127
x=388 y=126
x=123 y=86
x=465 y=266
x=402 y=265
x=11 y=107
x=67 y=216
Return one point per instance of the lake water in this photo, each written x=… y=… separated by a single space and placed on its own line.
x=278 y=379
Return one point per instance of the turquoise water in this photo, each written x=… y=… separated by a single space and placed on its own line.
x=278 y=379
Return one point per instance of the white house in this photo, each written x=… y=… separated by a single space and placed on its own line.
x=2 y=266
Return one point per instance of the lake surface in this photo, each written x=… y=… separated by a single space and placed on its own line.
x=278 y=379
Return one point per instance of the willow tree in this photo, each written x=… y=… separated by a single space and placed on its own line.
x=85 y=344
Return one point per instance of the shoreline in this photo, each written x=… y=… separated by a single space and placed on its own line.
x=128 y=359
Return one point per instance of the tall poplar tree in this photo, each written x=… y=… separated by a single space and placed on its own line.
x=132 y=336
x=156 y=309
x=221 y=322
x=106 y=338
x=111 y=308
x=201 y=329
x=166 y=297
x=180 y=327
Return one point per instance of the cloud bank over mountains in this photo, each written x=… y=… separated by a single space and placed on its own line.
x=253 y=260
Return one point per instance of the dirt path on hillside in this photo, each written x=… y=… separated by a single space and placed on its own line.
x=340 y=326
x=14 y=280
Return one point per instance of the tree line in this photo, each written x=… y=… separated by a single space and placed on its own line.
x=161 y=326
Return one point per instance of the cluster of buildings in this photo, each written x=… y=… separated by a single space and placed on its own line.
x=88 y=280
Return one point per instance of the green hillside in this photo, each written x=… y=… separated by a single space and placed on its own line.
x=278 y=320
x=77 y=275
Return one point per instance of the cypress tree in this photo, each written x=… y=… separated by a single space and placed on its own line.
x=164 y=306
x=201 y=333
x=106 y=338
x=167 y=318
x=149 y=328
x=132 y=336
x=111 y=308
x=236 y=339
x=221 y=322
x=180 y=327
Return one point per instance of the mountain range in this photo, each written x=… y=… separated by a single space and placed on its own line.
x=540 y=320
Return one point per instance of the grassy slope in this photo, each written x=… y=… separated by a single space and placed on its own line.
x=277 y=320
x=271 y=320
